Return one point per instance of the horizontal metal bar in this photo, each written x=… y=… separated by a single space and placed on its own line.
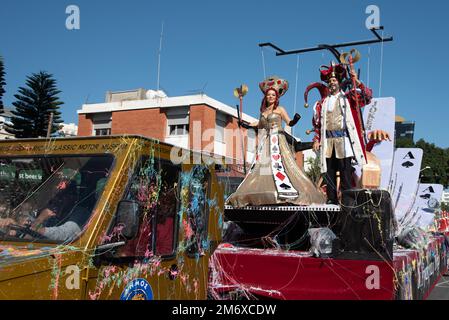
x=281 y=52
x=270 y=45
x=341 y=45
x=357 y=43
x=299 y=51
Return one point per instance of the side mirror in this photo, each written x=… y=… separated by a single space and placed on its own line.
x=128 y=217
x=105 y=252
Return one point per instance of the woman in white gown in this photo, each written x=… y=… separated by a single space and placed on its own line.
x=274 y=177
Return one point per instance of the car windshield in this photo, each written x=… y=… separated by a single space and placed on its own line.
x=49 y=198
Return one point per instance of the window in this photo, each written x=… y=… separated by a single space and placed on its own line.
x=178 y=121
x=220 y=125
x=230 y=183
x=154 y=187
x=196 y=182
x=103 y=132
x=167 y=208
x=220 y=131
x=54 y=196
x=178 y=129
x=102 y=123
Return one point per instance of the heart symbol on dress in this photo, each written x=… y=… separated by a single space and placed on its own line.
x=276 y=157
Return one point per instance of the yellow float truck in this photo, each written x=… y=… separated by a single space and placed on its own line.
x=119 y=217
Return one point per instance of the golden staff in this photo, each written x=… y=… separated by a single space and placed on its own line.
x=349 y=58
x=240 y=93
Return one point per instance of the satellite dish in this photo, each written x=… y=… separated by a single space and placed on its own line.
x=161 y=94
x=154 y=94
x=150 y=94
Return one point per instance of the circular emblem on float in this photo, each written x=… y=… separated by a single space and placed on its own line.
x=433 y=203
x=138 y=289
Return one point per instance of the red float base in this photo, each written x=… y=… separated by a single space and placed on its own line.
x=294 y=275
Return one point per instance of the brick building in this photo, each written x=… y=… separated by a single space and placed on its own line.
x=196 y=122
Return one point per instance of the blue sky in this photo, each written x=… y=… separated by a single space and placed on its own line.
x=214 y=45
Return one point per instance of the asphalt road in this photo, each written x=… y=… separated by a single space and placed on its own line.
x=441 y=290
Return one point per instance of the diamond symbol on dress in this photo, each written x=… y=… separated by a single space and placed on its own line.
x=274 y=139
x=280 y=176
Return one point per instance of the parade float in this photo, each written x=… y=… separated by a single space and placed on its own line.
x=381 y=241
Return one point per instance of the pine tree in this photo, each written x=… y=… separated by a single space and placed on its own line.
x=34 y=105
x=2 y=83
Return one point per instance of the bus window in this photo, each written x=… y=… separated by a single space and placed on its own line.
x=166 y=209
x=141 y=188
x=198 y=183
x=50 y=198
x=154 y=187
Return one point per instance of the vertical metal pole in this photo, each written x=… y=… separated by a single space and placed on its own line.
x=243 y=136
x=159 y=56
x=240 y=131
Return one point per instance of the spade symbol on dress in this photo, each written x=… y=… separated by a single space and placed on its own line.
x=408 y=164
x=285 y=186
x=275 y=149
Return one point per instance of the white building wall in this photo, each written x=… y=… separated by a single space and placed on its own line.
x=181 y=141
x=308 y=154
x=445 y=197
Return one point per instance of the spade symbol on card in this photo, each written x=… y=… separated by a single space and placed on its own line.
x=408 y=164
x=285 y=186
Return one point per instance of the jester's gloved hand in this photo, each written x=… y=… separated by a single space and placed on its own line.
x=295 y=120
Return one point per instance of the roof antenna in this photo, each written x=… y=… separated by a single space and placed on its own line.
x=159 y=56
